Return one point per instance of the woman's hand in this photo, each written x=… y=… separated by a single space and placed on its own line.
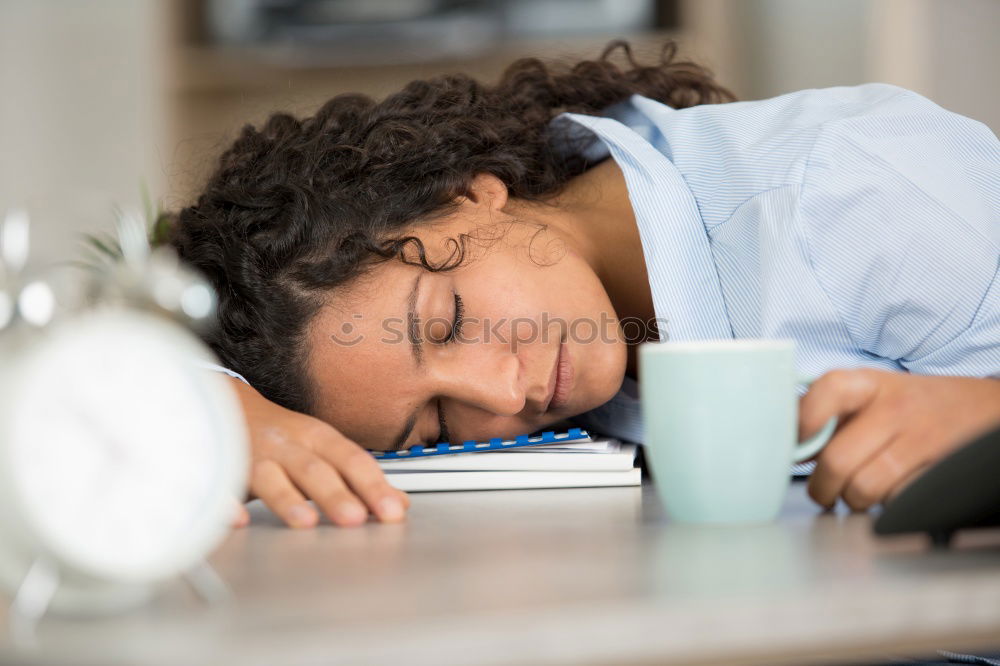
x=295 y=457
x=893 y=426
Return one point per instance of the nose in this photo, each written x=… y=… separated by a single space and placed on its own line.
x=489 y=380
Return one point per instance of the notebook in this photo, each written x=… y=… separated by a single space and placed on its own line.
x=584 y=462
x=495 y=444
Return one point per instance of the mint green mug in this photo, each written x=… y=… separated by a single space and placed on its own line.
x=721 y=423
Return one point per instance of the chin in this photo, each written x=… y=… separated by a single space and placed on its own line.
x=606 y=379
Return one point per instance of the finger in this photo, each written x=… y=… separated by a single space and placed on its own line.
x=874 y=481
x=362 y=472
x=837 y=393
x=855 y=443
x=403 y=497
x=271 y=484
x=324 y=485
x=241 y=517
x=904 y=484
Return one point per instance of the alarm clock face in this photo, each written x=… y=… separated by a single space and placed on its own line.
x=125 y=458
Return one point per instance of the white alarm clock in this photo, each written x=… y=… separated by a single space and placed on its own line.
x=121 y=460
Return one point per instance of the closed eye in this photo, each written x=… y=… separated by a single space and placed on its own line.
x=443 y=434
x=456 y=324
x=454 y=334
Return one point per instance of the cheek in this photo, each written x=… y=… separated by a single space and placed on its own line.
x=600 y=370
x=569 y=292
x=599 y=354
x=572 y=287
x=511 y=286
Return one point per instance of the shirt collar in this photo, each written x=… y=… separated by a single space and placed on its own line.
x=682 y=274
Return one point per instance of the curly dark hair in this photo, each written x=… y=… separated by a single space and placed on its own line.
x=301 y=206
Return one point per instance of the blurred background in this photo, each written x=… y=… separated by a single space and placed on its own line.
x=100 y=98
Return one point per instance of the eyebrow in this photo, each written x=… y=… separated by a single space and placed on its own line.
x=413 y=335
x=413 y=323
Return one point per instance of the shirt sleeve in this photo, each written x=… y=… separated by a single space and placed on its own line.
x=900 y=214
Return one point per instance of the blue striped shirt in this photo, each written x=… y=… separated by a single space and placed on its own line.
x=862 y=222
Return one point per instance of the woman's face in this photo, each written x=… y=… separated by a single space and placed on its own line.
x=520 y=336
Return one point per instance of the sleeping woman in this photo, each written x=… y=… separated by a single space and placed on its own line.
x=462 y=261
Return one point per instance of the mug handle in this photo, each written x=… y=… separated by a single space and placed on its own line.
x=810 y=447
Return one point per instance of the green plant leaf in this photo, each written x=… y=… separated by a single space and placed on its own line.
x=104 y=244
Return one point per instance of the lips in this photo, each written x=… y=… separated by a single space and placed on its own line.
x=563 y=379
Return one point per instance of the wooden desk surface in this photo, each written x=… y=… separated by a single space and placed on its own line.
x=580 y=576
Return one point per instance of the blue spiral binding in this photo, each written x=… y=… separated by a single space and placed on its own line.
x=470 y=446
